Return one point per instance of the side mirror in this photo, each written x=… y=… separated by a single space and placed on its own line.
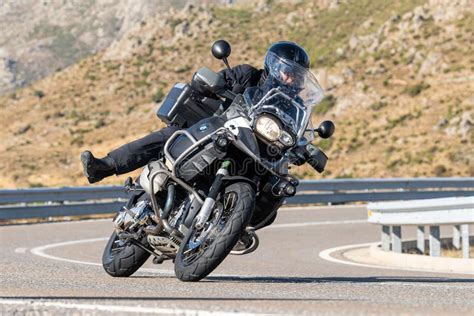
x=325 y=129
x=221 y=50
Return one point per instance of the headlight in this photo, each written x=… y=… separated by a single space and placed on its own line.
x=268 y=127
x=286 y=139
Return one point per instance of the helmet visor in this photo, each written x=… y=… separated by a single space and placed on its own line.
x=291 y=74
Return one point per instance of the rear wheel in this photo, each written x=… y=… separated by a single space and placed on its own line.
x=121 y=259
x=202 y=250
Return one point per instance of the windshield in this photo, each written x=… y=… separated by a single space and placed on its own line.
x=290 y=92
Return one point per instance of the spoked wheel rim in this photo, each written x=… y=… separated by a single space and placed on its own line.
x=201 y=239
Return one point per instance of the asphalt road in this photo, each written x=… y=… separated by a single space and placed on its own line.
x=55 y=268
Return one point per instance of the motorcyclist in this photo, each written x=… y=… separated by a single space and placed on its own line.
x=138 y=153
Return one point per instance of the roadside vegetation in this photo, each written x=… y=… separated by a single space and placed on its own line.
x=396 y=82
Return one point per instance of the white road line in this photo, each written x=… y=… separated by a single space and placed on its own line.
x=290 y=225
x=326 y=255
x=321 y=207
x=40 y=251
x=119 y=308
x=21 y=250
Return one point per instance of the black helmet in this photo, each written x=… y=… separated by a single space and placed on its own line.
x=289 y=51
x=288 y=63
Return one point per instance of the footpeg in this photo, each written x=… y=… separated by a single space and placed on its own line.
x=247 y=243
x=158 y=260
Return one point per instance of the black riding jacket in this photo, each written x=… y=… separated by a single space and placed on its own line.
x=242 y=76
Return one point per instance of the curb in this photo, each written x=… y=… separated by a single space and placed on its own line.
x=413 y=261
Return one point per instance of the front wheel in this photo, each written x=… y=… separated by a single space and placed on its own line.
x=202 y=250
x=122 y=259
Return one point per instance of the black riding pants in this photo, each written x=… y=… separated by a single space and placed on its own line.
x=138 y=153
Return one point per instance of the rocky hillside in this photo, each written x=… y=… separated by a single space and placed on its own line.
x=40 y=37
x=399 y=80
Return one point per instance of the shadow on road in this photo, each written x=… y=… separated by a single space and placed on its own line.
x=156 y=298
x=336 y=279
x=302 y=280
x=263 y=279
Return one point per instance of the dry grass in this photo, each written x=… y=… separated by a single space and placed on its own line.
x=446 y=251
x=456 y=253
x=102 y=102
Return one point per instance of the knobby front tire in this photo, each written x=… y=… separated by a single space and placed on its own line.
x=225 y=239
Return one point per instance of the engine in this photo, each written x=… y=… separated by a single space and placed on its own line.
x=138 y=215
x=168 y=246
x=152 y=170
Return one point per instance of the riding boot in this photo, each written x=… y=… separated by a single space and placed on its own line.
x=97 y=169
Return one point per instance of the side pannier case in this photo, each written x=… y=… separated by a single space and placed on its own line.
x=182 y=107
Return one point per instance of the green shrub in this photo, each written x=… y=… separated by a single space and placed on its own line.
x=345 y=175
x=141 y=83
x=158 y=96
x=378 y=105
x=146 y=73
x=39 y=94
x=398 y=120
x=182 y=69
x=175 y=22
x=440 y=171
x=37 y=185
x=99 y=123
x=325 y=144
x=416 y=89
x=393 y=164
x=328 y=102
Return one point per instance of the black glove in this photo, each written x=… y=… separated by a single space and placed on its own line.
x=299 y=155
x=310 y=154
x=238 y=89
x=202 y=89
x=317 y=159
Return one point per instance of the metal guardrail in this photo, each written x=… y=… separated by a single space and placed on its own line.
x=432 y=213
x=72 y=201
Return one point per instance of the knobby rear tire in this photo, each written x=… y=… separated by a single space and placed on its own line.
x=125 y=262
x=224 y=242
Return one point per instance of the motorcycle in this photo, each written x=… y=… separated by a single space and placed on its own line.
x=195 y=203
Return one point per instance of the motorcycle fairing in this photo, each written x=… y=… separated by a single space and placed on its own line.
x=205 y=155
x=242 y=129
x=199 y=130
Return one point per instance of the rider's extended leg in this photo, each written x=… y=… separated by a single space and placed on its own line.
x=127 y=157
x=138 y=153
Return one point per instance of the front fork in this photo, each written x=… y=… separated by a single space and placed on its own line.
x=210 y=201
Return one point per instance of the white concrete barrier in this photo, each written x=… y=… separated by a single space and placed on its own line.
x=458 y=212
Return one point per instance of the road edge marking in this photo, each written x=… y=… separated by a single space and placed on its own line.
x=121 y=308
x=40 y=251
x=326 y=255
x=291 y=225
